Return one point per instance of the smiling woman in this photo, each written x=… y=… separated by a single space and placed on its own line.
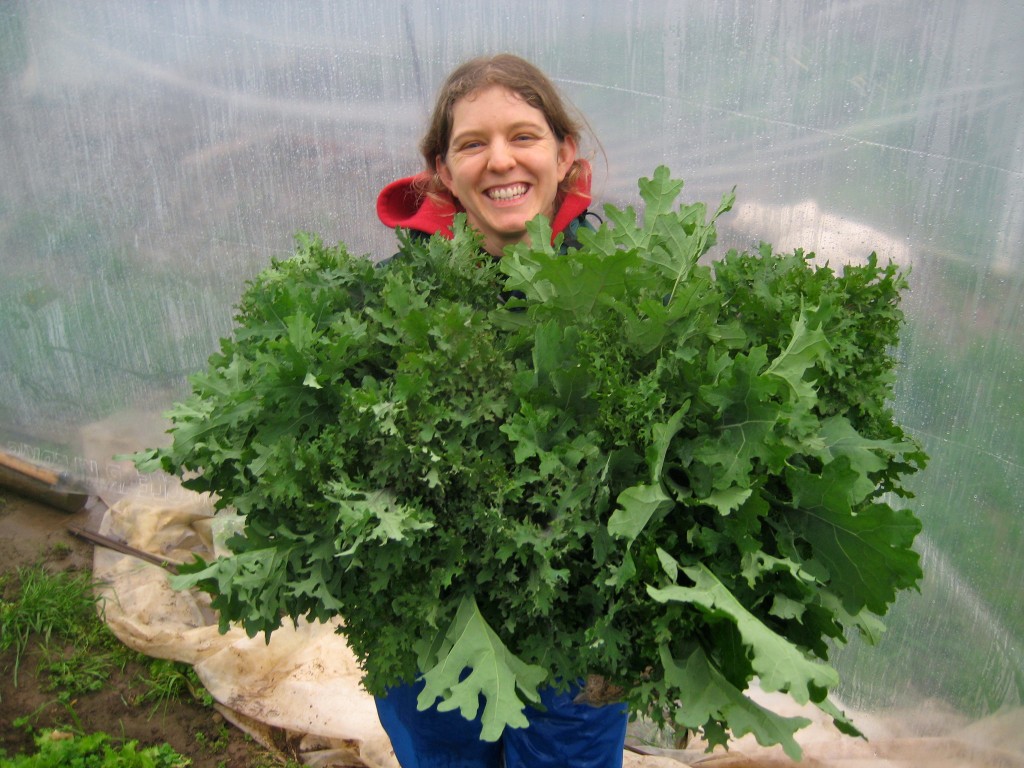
x=500 y=147
x=503 y=164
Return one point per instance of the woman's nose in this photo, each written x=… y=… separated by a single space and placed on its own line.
x=501 y=157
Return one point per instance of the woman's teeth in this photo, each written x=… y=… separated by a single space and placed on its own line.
x=507 y=193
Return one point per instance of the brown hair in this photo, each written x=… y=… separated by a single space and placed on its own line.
x=518 y=76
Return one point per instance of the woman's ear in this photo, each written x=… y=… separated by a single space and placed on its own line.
x=443 y=173
x=566 y=156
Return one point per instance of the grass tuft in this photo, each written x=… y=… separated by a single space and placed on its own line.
x=46 y=608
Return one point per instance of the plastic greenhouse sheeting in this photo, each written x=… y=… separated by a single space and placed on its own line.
x=153 y=157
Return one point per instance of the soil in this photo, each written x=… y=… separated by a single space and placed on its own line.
x=32 y=532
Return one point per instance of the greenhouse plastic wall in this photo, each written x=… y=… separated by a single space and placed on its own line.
x=155 y=156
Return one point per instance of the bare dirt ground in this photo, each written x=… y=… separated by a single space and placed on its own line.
x=33 y=533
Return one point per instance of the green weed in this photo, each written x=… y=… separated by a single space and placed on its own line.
x=169 y=681
x=58 y=615
x=213 y=743
x=47 y=607
x=76 y=673
x=27 y=723
x=97 y=750
x=60 y=550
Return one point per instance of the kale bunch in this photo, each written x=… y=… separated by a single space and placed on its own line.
x=616 y=460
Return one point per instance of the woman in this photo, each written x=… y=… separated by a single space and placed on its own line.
x=502 y=148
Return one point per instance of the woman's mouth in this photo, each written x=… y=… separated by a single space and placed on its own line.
x=510 y=192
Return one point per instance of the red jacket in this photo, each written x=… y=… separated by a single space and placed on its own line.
x=399 y=204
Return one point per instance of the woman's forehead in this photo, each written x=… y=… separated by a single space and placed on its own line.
x=494 y=101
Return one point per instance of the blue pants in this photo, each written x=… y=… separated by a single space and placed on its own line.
x=566 y=735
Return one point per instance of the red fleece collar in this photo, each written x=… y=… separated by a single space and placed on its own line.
x=401 y=204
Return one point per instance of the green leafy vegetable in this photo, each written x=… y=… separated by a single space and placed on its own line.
x=94 y=750
x=471 y=644
x=612 y=460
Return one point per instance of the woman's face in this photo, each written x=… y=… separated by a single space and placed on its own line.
x=504 y=164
